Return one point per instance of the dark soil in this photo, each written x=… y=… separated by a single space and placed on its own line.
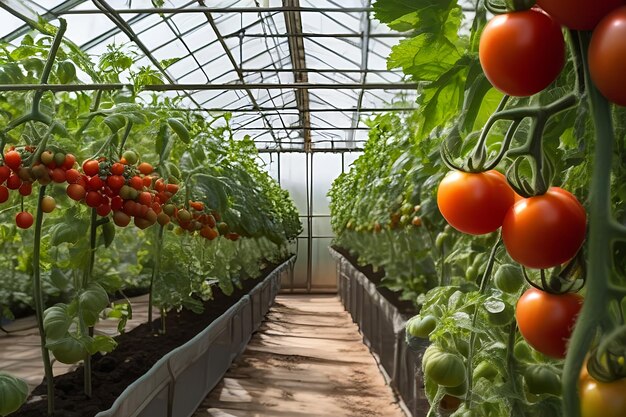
x=137 y=351
x=405 y=307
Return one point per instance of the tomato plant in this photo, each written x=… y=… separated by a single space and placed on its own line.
x=522 y=52
x=474 y=203
x=545 y=230
x=546 y=320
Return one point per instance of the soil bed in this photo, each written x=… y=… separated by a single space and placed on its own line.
x=137 y=351
x=405 y=307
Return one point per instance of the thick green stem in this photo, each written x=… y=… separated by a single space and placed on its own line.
x=517 y=408
x=155 y=271
x=86 y=279
x=483 y=288
x=39 y=307
x=599 y=245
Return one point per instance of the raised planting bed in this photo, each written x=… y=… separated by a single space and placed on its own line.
x=154 y=375
x=381 y=318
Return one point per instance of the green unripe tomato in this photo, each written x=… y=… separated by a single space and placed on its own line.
x=131 y=157
x=13 y=393
x=542 y=380
x=420 y=326
x=485 y=370
x=523 y=351
x=59 y=158
x=471 y=273
x=459 y=390
x=443 y=368
x=501 y=318
x=509 y=278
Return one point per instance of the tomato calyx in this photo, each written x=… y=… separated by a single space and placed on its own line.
x=607 y=361
x=570 y=279
x=509 y=6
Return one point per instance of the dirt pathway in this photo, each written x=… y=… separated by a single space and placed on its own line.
x=306 y=360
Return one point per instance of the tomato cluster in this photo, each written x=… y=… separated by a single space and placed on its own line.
x=19 y=172
x=125 y=189
x=522 y=52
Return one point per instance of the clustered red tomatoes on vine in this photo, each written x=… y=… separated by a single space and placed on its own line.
x=126 y=189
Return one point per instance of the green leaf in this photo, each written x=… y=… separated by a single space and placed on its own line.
x=56 y=321
x=102 y=344
x=115 y=122
x=168 y=62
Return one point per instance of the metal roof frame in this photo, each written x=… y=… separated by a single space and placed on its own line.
x=304 y=89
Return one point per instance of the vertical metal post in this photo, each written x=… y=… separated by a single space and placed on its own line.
x=309 y=209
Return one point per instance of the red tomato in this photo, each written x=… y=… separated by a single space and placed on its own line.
x=72 y=176
x=579 y=14
x=606 y=56
x=24 y=220
x=136 y=182
x=475 y=203
x=172 y=188
x=95 y=183
x=70 y=160
x=76 y=191
x=522 y=52
x=91 y=167
x=602 y=399
x=12 y=159
x=4 y=193
x=546 y=321
x=546 y=230
x=5 y=172
x=14 y=182
x=117 y=203
x=121 y=219
x=117 y=169
x=145 y=168
x=159 y=185
x=196 y=205
x=147 y=181
x=116 y=182
x=145 y=198
x=93 y=199
x=103 y=210
x=58 y=175
x=26 y=189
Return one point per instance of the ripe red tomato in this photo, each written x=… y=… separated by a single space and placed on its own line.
x=117 y=169
x=116 y=182
x=136 y=182
x=24 y=220
x=121 y=219
x=474 y=203
x=606 y=56
x=26 y=188
x=546 y=230
x=14 y=182
x=159 y=185
x=58 y=175
x=48 y=204
x=12 y=159
x=5 y=172
x=145 y=198
x=546 y=320
x=95 y=183
x=602 y=399
x=76 y=191
x=117 y=203
x=91 y=167
x=93 y=199
x=522 y=52
x=4 y=193
x=579 y=14
x=69 y=162
x=145 y=168
x=103 y=210
x=172 y=188
x=71 y=176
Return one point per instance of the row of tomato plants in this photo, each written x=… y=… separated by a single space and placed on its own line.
x=78 y=168
x=508 y=327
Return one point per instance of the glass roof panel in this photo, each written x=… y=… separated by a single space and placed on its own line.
x=331 y=63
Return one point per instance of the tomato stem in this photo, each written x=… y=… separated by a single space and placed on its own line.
x=155 y=271
x=482 y=289
x=517 y=408
x=39 y=305
x=599 y=245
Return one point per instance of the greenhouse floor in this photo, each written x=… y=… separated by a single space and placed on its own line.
x=307 y=359
x=20 y=352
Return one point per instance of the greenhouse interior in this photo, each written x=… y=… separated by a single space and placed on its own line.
x=312 y=208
